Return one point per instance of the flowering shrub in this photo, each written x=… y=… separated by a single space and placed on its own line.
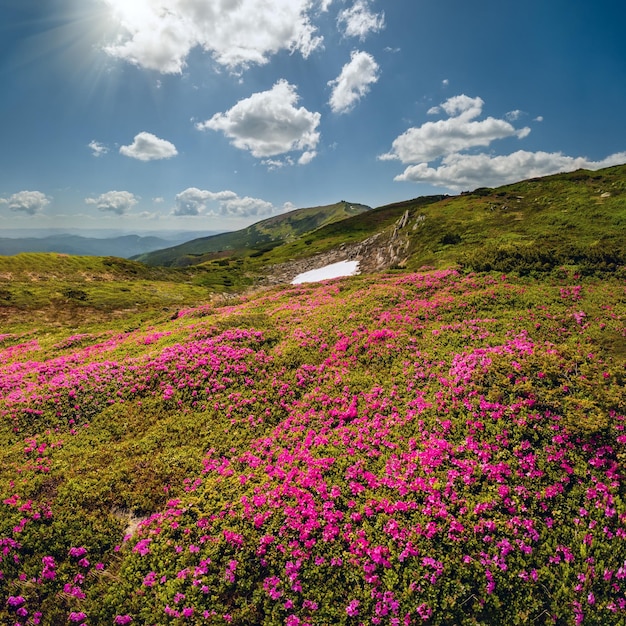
x=429 y=448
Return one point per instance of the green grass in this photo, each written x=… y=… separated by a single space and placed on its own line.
x=56 y=291
x=569 y=218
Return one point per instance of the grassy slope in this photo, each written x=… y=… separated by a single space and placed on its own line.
x=244 y=269
x=63 y=290
x=576 y=219
x=559 y=215
x=264 y=234
x=350 y=230
x=466 y=399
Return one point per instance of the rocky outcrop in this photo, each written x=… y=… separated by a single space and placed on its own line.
x=378 y=252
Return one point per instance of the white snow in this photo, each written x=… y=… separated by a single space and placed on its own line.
x=334 y=270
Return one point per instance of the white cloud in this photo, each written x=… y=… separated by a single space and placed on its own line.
x=29 y=202
x=463 y=106
x=118 y=202
x=148 y=147
x=274 y=164
x=445 y=141
x=459 y=132
x=247 y=207
x=193 y=202
x=97 y=149
x=464 y=171
x=445 y=82
x=237 y=33
x=539 y=118
x=512 y=116
x=268 y=123
x=307 y=157
x=359 y=21
x=353 y=82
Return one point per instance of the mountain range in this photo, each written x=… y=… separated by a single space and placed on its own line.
x=542 y=222
x=261 y=236
x=124 y=246
x=533 y=225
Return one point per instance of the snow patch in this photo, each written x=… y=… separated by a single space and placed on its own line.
x=334 y=270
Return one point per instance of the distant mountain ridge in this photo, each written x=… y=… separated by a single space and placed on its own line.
x=258 y=237
x=123 y=246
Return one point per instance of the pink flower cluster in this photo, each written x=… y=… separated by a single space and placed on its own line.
x=400 y=454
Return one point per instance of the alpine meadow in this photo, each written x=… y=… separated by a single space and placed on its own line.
x=440 y=440
x=312 y=313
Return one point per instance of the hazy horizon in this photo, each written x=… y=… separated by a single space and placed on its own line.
x=101 y=233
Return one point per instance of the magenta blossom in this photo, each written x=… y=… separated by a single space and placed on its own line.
x=353 y=608
x=77 y=552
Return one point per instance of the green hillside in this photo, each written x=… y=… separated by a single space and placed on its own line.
x=351 y=230
x=574 y=219
x=62 y=290
x=264 y=234
x=423 y=448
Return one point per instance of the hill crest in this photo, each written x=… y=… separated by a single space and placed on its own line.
x=267 y=233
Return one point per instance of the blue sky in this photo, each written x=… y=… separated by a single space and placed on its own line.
x=213 y=114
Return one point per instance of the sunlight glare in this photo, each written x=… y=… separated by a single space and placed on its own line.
x=132 y=14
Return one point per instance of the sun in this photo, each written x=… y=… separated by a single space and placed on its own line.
x=132 y=14
x=74 y=44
